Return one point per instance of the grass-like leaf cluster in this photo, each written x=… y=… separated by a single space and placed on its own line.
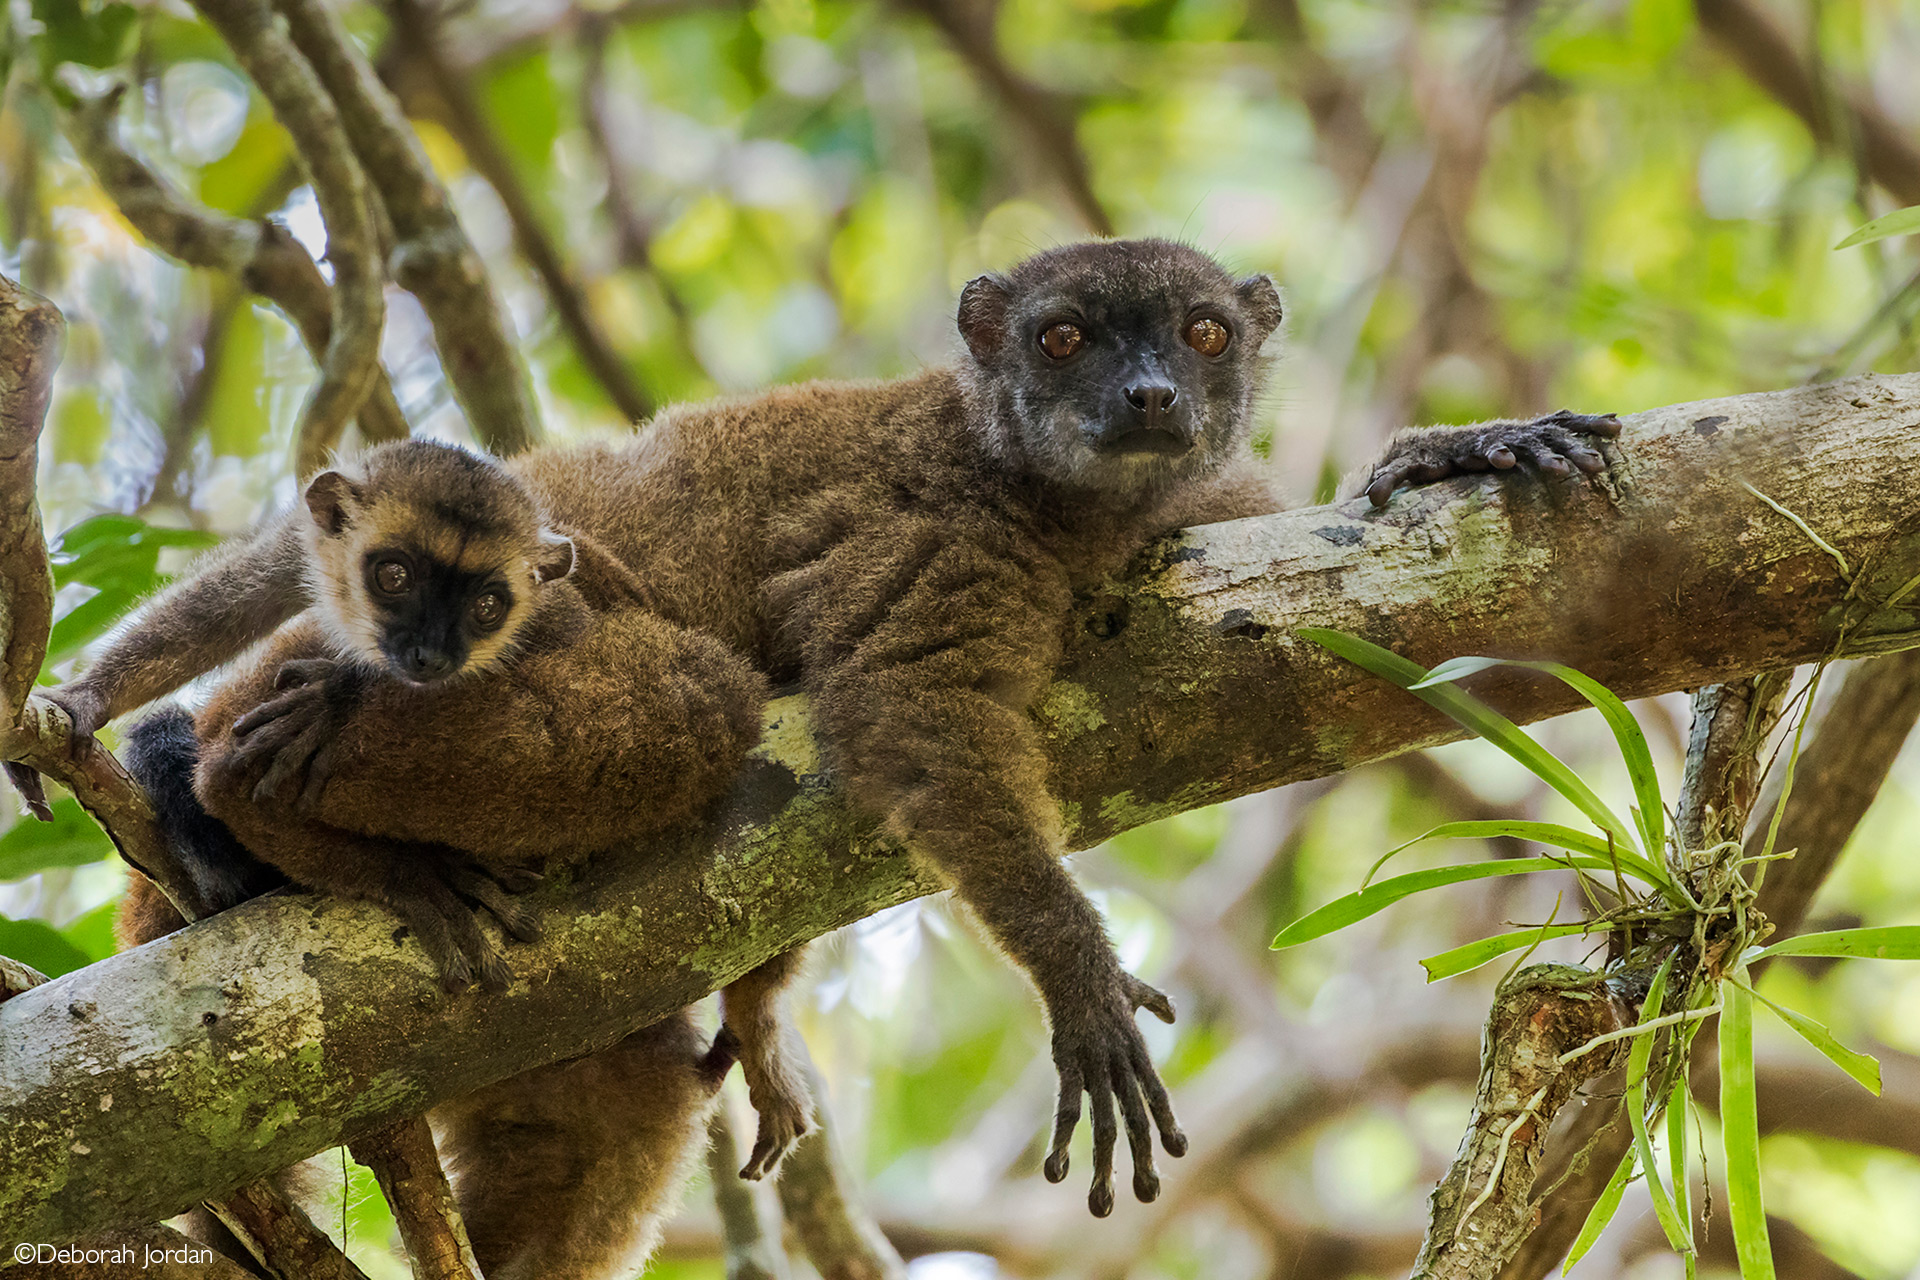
x=1683 y=916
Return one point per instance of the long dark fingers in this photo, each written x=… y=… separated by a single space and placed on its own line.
x=1548 y=461
x=519 y=920
x=32 y=789
x=1171 y=1138
x=275 y=708
x=1146 y=1179
x=289 y=763
x=1598 y=424
x=319 y=769
x=430 y=926
x=1385 y=481
x=1100 y=1108
x=260 y=744
x=1066 y=1118
x=1152 y=999
x=296 y=672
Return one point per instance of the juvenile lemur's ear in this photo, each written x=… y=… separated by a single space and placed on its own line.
x=331 y=498
x=983 y=315
x=1262 y=301
x=554 y=560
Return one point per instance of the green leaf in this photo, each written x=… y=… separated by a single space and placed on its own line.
x=1863 y=1067
x=1650 y=814
x=92 y=931
x=1639 y=1059
x=1342 y=912
x=1602 y=1212
x=1460 y=960
x=37 y=943
x=1898 y=223
x=1740 y=1130
x=72 y=839
x=1547 y=833
x=1889 y=942
x=1480 y=718
x=1677 y=1156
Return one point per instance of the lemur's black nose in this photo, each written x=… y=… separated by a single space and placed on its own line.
x=1155 y=400
x=422 y=663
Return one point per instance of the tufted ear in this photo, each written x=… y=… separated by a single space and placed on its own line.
x=332 y=499
x=1262 y=301
x=555 y=558
x=983 y=315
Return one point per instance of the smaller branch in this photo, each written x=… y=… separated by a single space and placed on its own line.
x=263 y=255
x=403 y=1158
x=1482 y=1208
x=32 y=337
x=16 y=978
x=432 y=257
x=280 y=1234
x=1049 y=117
x=419 y=41
x=750 y=1254
x=304 y=109
x=841 y=1238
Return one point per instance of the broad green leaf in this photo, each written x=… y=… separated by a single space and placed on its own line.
x=1649 y=814
x=1460 y=960
x=1888 y=942
x=72 y=839
x=1898 y=223
x=37 y=943
x=1480 y=718
x=1602 y=1212
x=92 y=932
x=1342 y=912
x=1740 y=1130
x=1639 y=1059
x=1547 y=833
x=1677 y=1157
x=1863 y=1067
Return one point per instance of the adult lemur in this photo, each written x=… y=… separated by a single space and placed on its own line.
x=909 y=551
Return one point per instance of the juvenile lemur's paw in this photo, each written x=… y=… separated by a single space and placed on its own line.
x=785 y=1107
x=1098 y=1051
x=74 y=707
x=436 y=890
x=1552 y=445
x=287 y=742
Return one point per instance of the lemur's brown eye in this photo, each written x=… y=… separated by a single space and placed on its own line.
x=1061 y=340
x=1208 y=337
x=392 y=577
x=489 y=610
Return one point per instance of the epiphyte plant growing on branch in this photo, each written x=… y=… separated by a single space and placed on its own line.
x=1682 y=938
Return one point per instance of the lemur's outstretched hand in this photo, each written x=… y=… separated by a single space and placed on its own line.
x=1555 y=446
x=1098 y=1051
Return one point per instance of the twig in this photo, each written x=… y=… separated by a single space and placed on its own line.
x=750 y=1254
x=263 y=255
x=403 y=1158
x=303 y=108
x=1049 y=117
x=432 y=257
x=840 y=1236
x=418 y=40
x=280 y=1234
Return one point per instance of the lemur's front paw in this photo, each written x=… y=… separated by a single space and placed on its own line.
x=785 y=1106
x=82 y=712
x=1551 y=445
x=288 y=740
x=1098 y=1050
x=436 y=890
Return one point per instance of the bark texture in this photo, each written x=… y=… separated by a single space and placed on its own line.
x=137 y=1086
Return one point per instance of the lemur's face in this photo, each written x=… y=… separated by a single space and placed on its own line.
x=428 y=565
x=1120 y=364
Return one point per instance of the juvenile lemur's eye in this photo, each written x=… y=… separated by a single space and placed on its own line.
x=1208 y=337
x=489 y=610
x=1061 y=340
x=392 y=577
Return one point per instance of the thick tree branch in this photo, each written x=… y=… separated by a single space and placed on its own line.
x=432 y=257
x=1184 y=684
x=263 y=255
x=307 y=113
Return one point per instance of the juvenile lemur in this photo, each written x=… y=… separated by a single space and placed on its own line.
x=909 y=551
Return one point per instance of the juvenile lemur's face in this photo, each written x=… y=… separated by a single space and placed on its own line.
x=1120 y=365
x=427 y=559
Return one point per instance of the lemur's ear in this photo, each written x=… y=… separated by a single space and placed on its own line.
x=983 y=315
x=1262 y=301
x=554 y=560
x=332 y=499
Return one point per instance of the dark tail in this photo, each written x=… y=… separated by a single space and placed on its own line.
x=161 y=753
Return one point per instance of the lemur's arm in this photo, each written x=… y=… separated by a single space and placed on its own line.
x=1555 y=446
x=923 y=669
